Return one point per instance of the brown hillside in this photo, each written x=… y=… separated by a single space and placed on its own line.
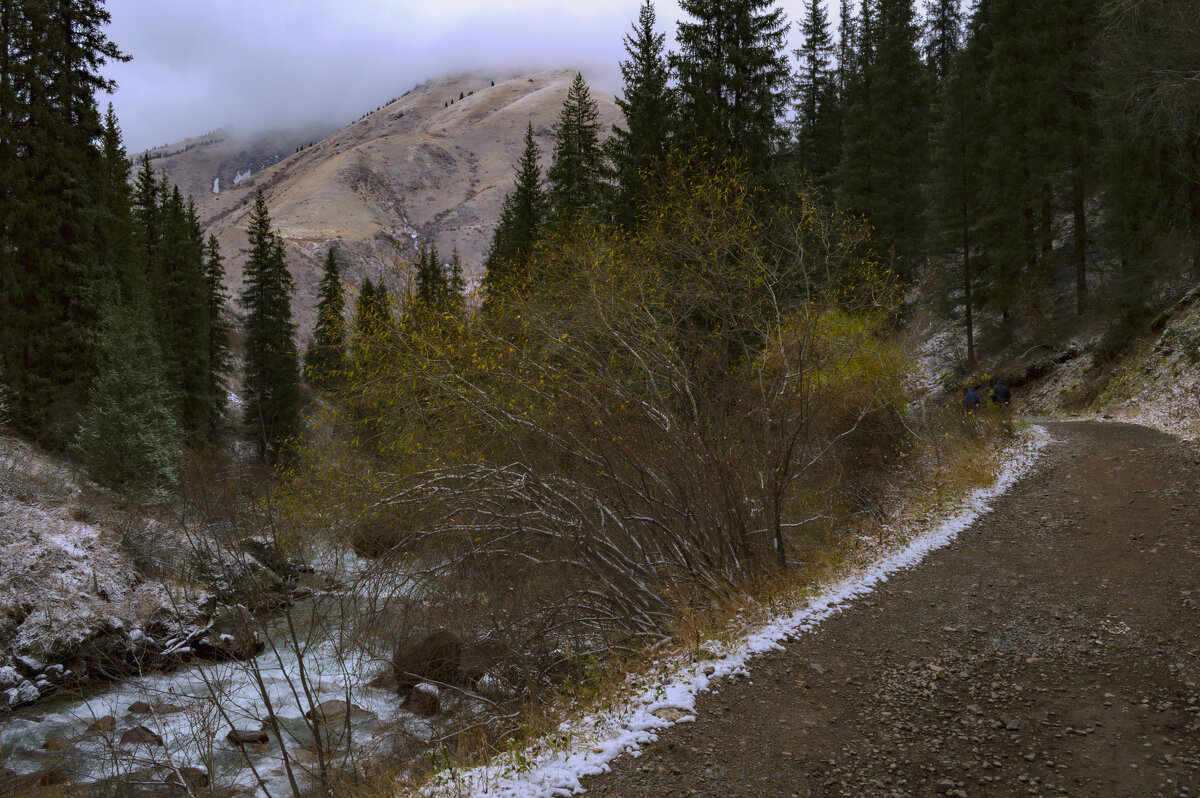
x=413 y=169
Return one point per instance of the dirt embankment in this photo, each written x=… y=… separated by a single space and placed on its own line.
x=1053 y=650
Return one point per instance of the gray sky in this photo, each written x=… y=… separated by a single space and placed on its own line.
x=250 y=64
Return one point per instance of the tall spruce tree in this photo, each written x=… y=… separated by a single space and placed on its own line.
x=733 y=79
x=184 y=314
x=52 y=207
x=129 y=436
x=272 y=370
x=640 y=149
x=519 y=228
x=816 y=122
x=576 y=170
x=325 y=358
x=958 y=144
x=847 y=47
x=943 y=37
x=884 y=149
x=220 y=355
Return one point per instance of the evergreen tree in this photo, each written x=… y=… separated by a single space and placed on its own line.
x=116 y=243
x=184 y=314
x=458 y=283
x=272 y=371
x=433 y=286
x=943 y=37
x=519 y=227
x=325 y=358
x=52 y=206
x=884 y=149
x=847 y=47
x=817 y=126
x=958 y=144
x=364 y=304
x=733 y=77
x=639 y=150
x=129 y=436
x=220 y=356
x=577 y=167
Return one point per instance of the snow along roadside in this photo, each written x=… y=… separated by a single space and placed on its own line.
x=594 y=741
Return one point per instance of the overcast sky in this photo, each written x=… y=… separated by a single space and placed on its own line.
x=250 y=64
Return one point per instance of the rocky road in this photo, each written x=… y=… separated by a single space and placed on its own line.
x=1054 y=649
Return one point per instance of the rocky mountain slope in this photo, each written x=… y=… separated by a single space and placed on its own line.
x=426 y=166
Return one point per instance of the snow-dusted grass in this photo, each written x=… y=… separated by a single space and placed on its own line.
x=585 y=746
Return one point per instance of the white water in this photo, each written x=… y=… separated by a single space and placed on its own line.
x=216 y=697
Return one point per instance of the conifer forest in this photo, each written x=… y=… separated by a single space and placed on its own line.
x=681 y=372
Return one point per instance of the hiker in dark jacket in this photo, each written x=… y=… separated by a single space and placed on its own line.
x=971 y=400
x=1001 y=395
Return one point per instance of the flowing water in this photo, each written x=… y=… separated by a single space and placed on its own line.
x=194 y=708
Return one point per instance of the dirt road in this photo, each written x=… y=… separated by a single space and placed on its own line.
x=1054 y=649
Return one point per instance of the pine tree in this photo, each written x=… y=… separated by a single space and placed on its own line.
x=847 y=47
x=220 y=356
x=116 y=242
x=183 y=325
x=943 y=37
x=817 y=123
x=733 y=78
x=272 y=370
x=433 y=287
x=639 y=150
x=458 y=283
x=52 y=207
x=958 y=144
x=577 y=166
x=884 y=150
x=325 y=359
x=129 y=436
x=519 y=227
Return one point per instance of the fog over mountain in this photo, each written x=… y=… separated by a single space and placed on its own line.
x=278 y=63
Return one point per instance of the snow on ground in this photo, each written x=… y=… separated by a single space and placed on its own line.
x=63 y=576
x=586 y=746
x=1159 y=386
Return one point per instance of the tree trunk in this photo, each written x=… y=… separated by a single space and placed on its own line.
x=1080 y=236
x=966 y=267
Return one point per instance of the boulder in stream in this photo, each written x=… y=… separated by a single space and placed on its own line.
x=248 y=737
x=190 y=777
x=436 y=657
x=140 y=735
x=334 y=712
x=424 y=701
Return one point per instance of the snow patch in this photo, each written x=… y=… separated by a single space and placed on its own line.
x=241 y=175
x=216 y=185
x=596 y=740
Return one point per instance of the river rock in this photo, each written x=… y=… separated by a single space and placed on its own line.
x=23 y=693
x=331 y=713
x=436 y=657
x=55 y=744
x=139 y=708
x=226 y=647
x=423 y=701
x=385 y=681
x=9 y=678
x=301 y=592
x=140 y=735
x=105 y=724
x=191 y=777
x=30 y=664
x=248 y=737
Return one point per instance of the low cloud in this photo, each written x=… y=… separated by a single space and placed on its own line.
x=267 y=63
